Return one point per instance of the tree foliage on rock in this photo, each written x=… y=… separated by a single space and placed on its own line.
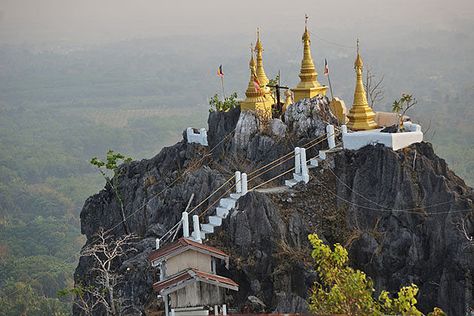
x=344 y=290
x=112 y=162
x=223 y=106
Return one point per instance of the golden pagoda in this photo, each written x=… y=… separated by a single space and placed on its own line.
x=361 y=116
x=260 y=71
x=255 y=95
x=309 y=86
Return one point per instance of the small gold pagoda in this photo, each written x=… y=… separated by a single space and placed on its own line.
x=361 y=116
x=260 y=71
x=309 y=86
x=255 y=95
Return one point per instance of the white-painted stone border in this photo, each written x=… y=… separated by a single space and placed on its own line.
x=357 y=140
x=200 y=138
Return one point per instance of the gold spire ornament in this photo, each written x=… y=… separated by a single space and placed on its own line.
x=361 y=116
x=262 y=77
x=255 y=96
x=308 y=87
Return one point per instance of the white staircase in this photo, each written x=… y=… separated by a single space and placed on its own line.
x=301 y=173
x=225 y=205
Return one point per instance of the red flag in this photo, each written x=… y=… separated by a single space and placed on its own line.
x=220 y=73
x=326 y=67
x=256 y=84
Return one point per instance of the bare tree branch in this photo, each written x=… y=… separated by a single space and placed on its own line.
x=105 y=251
x=374 y=88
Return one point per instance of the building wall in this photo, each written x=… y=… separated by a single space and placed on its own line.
x=197 y=294
x=188 y=259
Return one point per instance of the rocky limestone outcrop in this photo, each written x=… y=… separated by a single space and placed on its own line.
x=396 y=212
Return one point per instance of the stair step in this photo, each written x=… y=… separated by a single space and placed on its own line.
x=215 y=220
x=322 y=154
x=207 y=228
x=297 y=177
x=222 y=212
x=235 y=196
x=193 y=236
x=227 y=203
x=290 y=183
x=314 y=162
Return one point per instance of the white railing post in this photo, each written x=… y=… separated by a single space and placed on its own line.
x=331 y=136
x=344 y=133
x=216 y=310
x=304 y=165
x=197 y=229
x=224 y=309
x=189 y=134
x=344 y=129
x=297 y=160
x=185 y=222
x=157 y=243
x=203 y=137
x=244 y=183
x=238 y=182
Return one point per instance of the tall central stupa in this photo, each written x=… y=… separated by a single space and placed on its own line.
x=308 y=87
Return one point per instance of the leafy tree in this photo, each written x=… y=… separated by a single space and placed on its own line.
x=223 y=106
x=274 y=81
x=344 y=290
x=401 y=107
x=112 y=164
x=19 y=298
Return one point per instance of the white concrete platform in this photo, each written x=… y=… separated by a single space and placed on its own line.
x=357 y=140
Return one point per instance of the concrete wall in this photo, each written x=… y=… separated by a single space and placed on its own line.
x=357 y=140
x=197 y=294
x=199 y=137
x=188 y=259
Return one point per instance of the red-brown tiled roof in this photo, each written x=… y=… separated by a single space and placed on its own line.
x=215 y=277
x=183 y=243
x=193 y=274
x=180 y=277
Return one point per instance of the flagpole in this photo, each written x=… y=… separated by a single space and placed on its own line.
x=326 y=72
x=330 y=87
x=222 y=82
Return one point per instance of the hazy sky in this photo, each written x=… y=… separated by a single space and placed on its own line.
x=102 y=20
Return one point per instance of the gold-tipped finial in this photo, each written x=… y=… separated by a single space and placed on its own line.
x=262 y=77
x=361 y=116
x=252 y=60
x=308 y=86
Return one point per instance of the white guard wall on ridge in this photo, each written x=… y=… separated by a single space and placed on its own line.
x=357 y=140
x=200 y=138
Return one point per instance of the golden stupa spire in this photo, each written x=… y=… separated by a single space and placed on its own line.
x=308 y=86
x=262 y=77
x=361 y=116
x=255 y=95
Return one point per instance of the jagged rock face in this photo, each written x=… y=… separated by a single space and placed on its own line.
x=350 y=199
x=309 y=117
x=422 y=245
